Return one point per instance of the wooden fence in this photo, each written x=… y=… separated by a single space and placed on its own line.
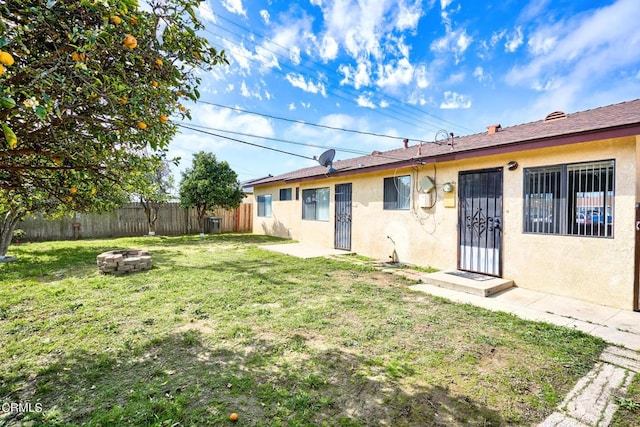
x=130 y=220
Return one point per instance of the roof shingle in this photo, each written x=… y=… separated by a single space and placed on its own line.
x=586 y=125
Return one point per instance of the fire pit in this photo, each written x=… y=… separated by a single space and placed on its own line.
x=124 y=261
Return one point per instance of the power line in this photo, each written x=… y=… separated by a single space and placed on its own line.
x=307 y=123
x=349 y=100
x=399 y=104
x=244 y=142
x=304 y=144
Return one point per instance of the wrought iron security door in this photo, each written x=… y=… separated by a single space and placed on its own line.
x=342 y=238
x=480 y=221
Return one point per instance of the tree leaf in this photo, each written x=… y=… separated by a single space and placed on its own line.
x=41 y=112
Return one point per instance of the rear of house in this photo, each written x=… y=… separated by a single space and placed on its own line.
x=551 y=205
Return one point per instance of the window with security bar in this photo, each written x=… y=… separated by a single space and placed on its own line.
x=572 y=199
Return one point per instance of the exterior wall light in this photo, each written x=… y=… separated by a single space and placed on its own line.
x=513 y=165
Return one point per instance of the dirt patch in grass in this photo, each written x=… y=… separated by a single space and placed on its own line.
x=220 y=326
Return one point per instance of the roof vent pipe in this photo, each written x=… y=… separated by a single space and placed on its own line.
x=493 y=128
x=406 y=143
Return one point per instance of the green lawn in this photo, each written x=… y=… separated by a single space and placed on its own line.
x=221 y=326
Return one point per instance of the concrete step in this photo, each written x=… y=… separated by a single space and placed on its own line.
x=488 y=285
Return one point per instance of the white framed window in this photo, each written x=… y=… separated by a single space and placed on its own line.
x=570 y=199
x=315 y=204
x=264 y=205
x=397 y=193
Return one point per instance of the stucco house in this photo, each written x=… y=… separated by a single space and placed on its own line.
x=552 y=205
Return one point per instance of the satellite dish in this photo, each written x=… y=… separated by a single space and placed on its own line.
x=426 y=184
x=326 y=159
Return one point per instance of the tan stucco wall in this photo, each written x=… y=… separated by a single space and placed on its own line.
x=599 y=270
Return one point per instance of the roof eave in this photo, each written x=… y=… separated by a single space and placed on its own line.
x=537 y=143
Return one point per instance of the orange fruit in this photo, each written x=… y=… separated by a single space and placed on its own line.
x=73 y=190
x=142 y=125
x=133 y=20
x=6 y=58
x=123 y=100
x=2 y=69
x=69 y=198
x=163 y=118
x=130 y=42
x=182 y=108
x=233 y=417
x=159 y=62
x=154 y=83
x=116 y=19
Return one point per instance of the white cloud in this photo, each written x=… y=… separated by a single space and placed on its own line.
x=542 y=41
x=364 y=100
x=416 y=98
x=187 y=142
x=299 y=81
x=532 y=10
x=234 y=6
x=206 y=13
x=247 y=93
x=266 y=58
x=358 y=77
x=453 y=100
x=294 y=55
x=422 y=77
x=445 y=3
x=362 y=26
x=292 y=106
x=454 y=41
x=456 y=78
x=480 y=75
x=514 y=40
x=266 y=17
x=395 y=74
x=585 y=51
x=408 y=16
x=328 y=48
x=496 y=37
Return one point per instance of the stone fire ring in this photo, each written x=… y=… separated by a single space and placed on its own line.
x=124 y=261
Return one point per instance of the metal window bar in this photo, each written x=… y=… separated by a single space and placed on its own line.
x=542 y=200
x=591 y=193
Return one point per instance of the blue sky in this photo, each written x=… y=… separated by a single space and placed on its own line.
x=398 y=69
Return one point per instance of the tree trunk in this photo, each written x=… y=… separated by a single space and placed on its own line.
x=202 y=210
x=151 y=212
x=9 y=219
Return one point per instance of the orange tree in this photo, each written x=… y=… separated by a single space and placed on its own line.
x=85 y=87
x=209 y=184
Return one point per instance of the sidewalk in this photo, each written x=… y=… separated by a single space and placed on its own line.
x=615 y=326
